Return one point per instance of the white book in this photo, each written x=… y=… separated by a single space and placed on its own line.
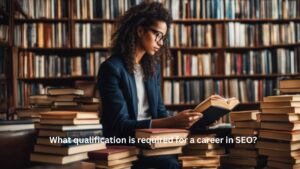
x=176 y=92
x=227 y=64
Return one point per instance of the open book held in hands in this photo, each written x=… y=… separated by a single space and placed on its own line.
x=212 y=109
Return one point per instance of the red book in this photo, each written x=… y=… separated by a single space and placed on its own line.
x=113 y=153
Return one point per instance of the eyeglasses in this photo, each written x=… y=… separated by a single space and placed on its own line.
x=159 y=36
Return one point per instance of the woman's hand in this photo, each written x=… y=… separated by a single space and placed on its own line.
x=185 y=119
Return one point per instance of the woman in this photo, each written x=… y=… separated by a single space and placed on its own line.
x=129 y=81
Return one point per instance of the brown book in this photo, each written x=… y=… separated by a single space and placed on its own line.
x=290 y=160
x=282 y=110
x=69 y=115
x=243 y=153
x=278 y=145
x=291 y=126
x=109 y=163
x=279 y=104
x=169 y=143
x=245 y=146
x=68 y=150
x=118 y=166
x=207 y=153
x=69 y=121
x=290 y=83
x=289 y=91
x=244 y=132
x=113 y=153
x=230 y=160
x=282 y=98
x=202 y=146
x=161 y=133
x=40 y=35
x=244 y=115
x=280 y=135
x=288 y=117
x=65 y=91
x=57 y=159
x=198 y=161
x=276 y=153
x=276 y=164
x=64 y=103
x=162 y=151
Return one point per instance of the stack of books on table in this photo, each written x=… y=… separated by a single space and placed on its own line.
x=280 y=131
x=113 y=157
x=245 y=132
x=161 y=141
x=289 y=86
x=67 y=136
x=203 y=151
x=58 y=99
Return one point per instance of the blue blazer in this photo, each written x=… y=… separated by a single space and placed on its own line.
x=119 y=99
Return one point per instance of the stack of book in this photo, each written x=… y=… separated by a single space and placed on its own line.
x=244 y=153
x=113 y=157
x=289 y=86
x=202 y=152
x=280 y=131
x=67 y=136
x=161 y=141
x=58 y=99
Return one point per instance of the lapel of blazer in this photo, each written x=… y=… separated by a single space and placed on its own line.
x=133 y=94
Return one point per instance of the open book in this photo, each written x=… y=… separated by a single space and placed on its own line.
x=213 y=109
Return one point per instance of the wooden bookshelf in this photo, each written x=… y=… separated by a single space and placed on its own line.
x=176 y=78
x=75 y=19
x=5 y=49
x=259 y=76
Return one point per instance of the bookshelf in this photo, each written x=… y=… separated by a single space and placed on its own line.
x=233 y=48
x=5 y=49
x=229 y=40
x=59 y=42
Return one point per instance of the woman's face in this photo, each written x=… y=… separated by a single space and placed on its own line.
x=153 y=37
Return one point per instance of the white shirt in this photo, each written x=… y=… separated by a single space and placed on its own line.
x=143 y=105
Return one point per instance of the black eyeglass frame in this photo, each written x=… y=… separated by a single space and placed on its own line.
x=158 y=35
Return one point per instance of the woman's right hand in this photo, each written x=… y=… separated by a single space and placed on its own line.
x=185 y=119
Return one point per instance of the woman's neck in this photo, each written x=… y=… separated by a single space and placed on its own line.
x=139 y=53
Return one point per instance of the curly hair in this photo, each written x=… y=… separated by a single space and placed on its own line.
x=125 y=37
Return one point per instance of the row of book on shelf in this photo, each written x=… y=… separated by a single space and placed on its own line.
x=194 y=91
x=233 y=9
x=229 y=9
x=4 y=32
x=276 y=61
x=41 y=35
x=50 y=9
x=93 y=35
x=32 y=65
x=187 y=35
x=237 y=34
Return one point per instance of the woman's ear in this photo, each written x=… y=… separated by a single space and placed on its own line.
x=140 y=31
